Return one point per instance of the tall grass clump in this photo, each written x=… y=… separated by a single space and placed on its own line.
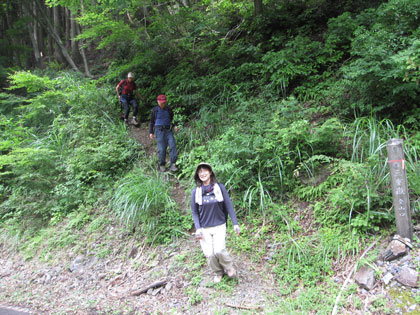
x=311 y=259
x=369 y=136
x=358 y=190
x=142 y=201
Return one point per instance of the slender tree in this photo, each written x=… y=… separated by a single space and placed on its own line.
x=73 y=34
x=46 y=23
x=50 y=39
x=258 y=7
x=67 y=15
x=33 y=33
x=57 y=30
x=82 y=53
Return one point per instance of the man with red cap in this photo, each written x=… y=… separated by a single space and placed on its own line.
x=161 y=128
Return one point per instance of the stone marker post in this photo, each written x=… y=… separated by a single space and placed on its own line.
x=399 y=183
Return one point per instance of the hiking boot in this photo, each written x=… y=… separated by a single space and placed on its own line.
x=162 y=168
x=217 y=278
x=231 y=272
x=173 y=168
x=134 y=121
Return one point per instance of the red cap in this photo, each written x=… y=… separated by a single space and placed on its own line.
x=162 y=97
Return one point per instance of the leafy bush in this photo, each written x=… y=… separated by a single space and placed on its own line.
x=60 y=148
x=378 y=77
x=351 y=194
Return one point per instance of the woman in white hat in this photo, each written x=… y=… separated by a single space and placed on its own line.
x=210 y=206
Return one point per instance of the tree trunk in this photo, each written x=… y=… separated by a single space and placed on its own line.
x=82 y=53
x=67 y=24
x=14 y=52
x=41 y=38
x=46 y=22
x=258 y=7
x=50 y=39
x=145 y=17
x=56 y=28
x=73 y=34
x=81 y=42
x=33 y=32
x=7 y=25
x=23 y=41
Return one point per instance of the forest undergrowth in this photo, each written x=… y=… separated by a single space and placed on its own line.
x=292 y=113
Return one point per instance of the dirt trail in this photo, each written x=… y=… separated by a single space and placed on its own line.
x=104 y=285
x=141 y=135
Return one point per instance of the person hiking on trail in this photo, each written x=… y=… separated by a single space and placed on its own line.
x=210 y=206
x=125 y=90
x=160 y=127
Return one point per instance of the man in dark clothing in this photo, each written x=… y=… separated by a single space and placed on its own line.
x=125 y=90
x=161 y=128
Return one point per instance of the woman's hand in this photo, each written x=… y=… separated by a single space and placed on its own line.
x=237 y=229
x=199 y=234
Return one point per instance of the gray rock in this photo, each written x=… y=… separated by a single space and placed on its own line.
x=380 y=263
x=394 y=250
x=403 y=240
x=394 y=269
x=115 y=280
x=77 y=264
x=365 y=277
x=412 y=308
x=387 y=278
x=408 y=277
x=154 y=263
x=133 y=252
x=46 y=279
x=101 y=276
x=406 y=259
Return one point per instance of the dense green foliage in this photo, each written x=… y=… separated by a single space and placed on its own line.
x=60 y=147
x=293 y=106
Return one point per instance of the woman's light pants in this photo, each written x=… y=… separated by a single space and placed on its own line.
x=213 y=245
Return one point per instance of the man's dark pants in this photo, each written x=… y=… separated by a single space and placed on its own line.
x=165 y=137
x=126 y=100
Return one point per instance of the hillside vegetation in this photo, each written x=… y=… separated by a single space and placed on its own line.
x=292 y=105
